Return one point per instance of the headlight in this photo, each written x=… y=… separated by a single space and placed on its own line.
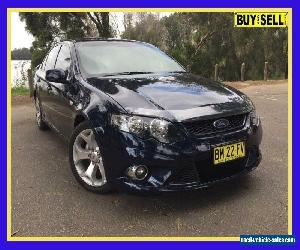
x=145 y=127
x=254 y=118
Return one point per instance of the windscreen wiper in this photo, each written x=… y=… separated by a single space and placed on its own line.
x=128 y=73
x=178 y=71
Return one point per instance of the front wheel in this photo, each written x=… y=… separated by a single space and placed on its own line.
x=39 y=115
x=86 y=160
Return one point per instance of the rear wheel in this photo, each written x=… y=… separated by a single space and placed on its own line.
x=39 y=116
x=86 y=160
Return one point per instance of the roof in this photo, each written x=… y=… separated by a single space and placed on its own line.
x=99 y=39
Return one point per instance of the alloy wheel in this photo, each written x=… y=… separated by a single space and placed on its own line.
x=88 y=159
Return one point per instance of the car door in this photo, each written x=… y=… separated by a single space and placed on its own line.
x=61 y=104
x=44 y=87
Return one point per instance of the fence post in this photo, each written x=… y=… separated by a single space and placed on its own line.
x=216 y=72
x=243 y=72
x=266 y=71
x=30 y=82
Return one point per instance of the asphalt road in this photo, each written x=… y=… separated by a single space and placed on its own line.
x=47 y=201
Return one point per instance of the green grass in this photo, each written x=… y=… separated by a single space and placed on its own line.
x=16 y=91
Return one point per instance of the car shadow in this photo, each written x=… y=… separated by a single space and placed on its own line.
x=179 y=202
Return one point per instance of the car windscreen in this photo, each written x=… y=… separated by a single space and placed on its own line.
x=117 y=57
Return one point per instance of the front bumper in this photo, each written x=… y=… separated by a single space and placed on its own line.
x=175 y=187
x=179 y=167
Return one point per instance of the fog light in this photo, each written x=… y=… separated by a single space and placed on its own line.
x=137 y=172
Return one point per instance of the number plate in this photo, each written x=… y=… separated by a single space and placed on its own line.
x=229 y=152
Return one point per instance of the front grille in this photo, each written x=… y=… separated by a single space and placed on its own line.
x=187 y=174
x=209 y=172
x=204 y=171
x=205 y=127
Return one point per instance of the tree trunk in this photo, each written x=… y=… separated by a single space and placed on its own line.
x=102 y=23
x=216 y=72
x=105 y=24
x=266 y=71
x=243 y=72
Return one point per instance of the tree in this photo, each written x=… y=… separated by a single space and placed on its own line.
x=200 y=40
x=144 y=27
x=48 y=28
x=21 y=54
x=101 y=20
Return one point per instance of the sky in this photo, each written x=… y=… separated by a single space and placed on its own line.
x=22 y=39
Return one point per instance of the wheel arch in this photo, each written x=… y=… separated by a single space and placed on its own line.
x=95 y=119
x=79 y=118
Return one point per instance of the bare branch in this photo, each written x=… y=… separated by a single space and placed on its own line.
x=92 y=18
x=97 y=22
x=97 y=17
x=202 y=42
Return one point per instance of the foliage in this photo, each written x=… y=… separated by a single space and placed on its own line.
x=197 y=40
x=21 y=54
x=200 y=40
x=47 y=28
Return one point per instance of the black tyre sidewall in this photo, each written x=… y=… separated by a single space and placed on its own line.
x=42 y=125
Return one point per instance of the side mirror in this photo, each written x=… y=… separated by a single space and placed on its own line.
x=56 y=75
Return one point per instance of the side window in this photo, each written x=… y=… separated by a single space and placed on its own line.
x=64 y=58
x=52 y=58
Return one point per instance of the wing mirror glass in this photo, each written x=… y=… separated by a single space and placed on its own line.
x=56 y=75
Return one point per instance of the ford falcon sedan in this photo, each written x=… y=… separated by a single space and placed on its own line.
x=135 y=119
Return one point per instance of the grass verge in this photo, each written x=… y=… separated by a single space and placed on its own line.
x=17 y=91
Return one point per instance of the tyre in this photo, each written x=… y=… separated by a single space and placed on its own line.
x=39 y=116
x=86 y=160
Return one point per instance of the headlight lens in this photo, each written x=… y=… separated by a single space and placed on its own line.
x=136 y=125
x=254 y=118
x=159 y=129
x=145 y=127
